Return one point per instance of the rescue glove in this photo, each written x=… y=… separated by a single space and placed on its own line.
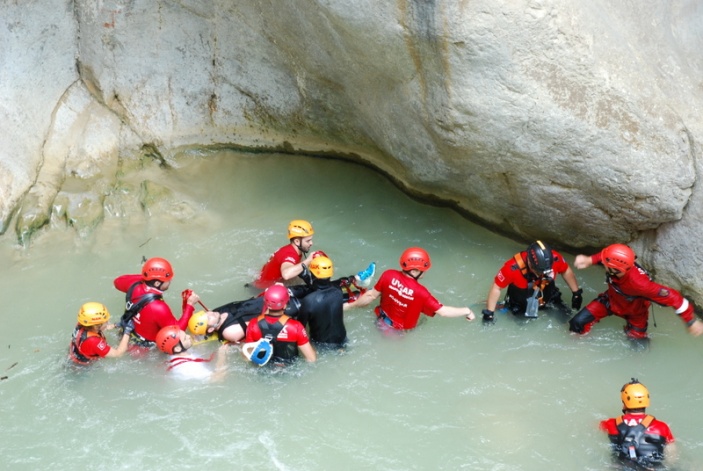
x=129 y=328
x=306 y=275
x=577 y=299
x=488 y=316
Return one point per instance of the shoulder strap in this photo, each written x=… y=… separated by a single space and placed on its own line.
x=520 y=263
x=132 y=309
x=647 y=421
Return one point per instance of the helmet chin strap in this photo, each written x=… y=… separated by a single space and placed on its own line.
x=299 y=246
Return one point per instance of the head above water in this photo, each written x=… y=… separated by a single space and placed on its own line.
x=276 y=298
x=198 y=323
x=170 y=340
x=322 y=267
x=299 y=228
x=634 y=395
x=540 y=257
x=93 y=314
x=618 y=257
x=157 y=269
x=415 y=258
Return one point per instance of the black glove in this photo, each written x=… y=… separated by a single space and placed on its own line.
x=129 y=328
x=305 y=275
x=487 y=315
x=577 y=299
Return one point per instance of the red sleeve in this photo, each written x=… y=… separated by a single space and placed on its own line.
x=560 y=265
x=657 y=427
x=253 y=331
x=302 y=334
x=504 y=276
x=660 y=294
x=595 y=258
x=185 y=316
x=123 y=282
x=609 y=426
x=431 y=305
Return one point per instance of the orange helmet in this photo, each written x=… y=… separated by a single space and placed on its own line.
x=299 y=228
x=168 y=339
x=415 y=258
x=157 y=269
x=322 y=267
x=618 y=257
x=93 y=314
x=634 y=395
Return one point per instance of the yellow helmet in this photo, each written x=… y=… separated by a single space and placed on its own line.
x=634 y=395
x=93 y=314
x=198 y=323
x=299 y=228
x=322 y=267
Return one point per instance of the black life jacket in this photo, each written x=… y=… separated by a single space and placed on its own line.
x=133 y=308
x=634 y=444
x=517 y=297
x=80 y=334
x=282 y=350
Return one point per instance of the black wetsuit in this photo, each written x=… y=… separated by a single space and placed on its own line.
x=322 y=312
x=241 y=312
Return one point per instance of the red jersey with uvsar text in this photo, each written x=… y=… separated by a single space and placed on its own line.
x=403 y=299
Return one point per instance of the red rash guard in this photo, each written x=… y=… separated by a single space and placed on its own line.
x=154 y=315
x=510 y=273
x=657 y=427
x=631 y=294
x=271 y=272
x=403 y=299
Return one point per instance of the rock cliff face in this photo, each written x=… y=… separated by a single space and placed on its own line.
x=576 y=122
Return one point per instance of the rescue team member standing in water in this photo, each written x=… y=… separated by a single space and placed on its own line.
x=287 y=262
x=534 y=269
x=173 y=341
x=88 y=343
x=322 y=310
x=145 y=304
x=285 y=334
x=636 y=436
x=403 y=298
x=630 y=294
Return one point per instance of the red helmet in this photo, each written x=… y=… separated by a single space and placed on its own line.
x=415 y=258
x=618 y=257
x=276 y=297
x=157 y=269
x=168 y=339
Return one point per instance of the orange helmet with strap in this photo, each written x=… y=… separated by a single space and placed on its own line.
x=415 y=258
x=299 y=228
x=168 y=339
x=634 y=395
x=618 y=257
x=157 y=269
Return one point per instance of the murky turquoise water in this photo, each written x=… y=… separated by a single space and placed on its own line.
x=450 y=395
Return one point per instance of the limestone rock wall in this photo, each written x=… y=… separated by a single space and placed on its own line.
x=576 y=122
